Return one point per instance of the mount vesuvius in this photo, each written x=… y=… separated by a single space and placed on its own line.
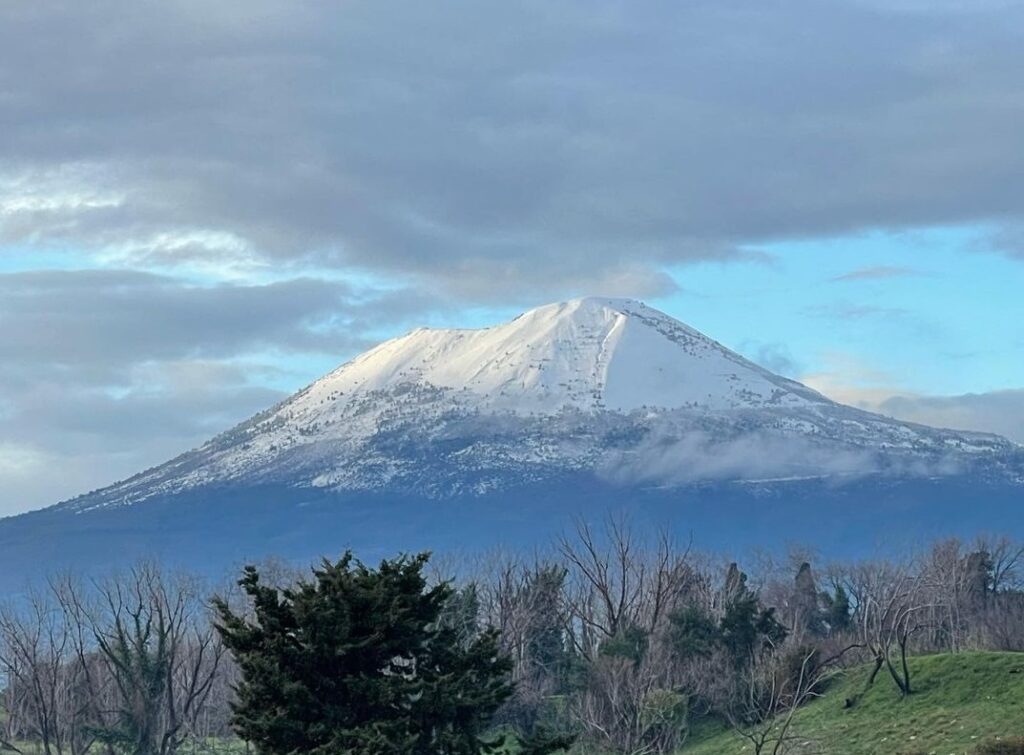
x=470 y=438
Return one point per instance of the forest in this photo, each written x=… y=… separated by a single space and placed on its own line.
x=611 y=640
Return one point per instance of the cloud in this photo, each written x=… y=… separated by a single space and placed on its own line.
x=1007 y=240
x=62 y=438
x=879 y=272
x=106 y=372
x=667 y=458
x=997 y=412
x=101 y=320
x=851 y=382
x=483 y=148
x=227 y=164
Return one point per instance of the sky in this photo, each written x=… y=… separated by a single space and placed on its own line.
x=205 y=206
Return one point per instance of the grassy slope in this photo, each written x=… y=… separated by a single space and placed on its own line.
x=960 y=701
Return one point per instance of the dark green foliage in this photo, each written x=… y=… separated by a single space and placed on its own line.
x=743 y=631
x=363 y=661
x=460 y=614
x=630 y=643
x=545 y=636
x=806 y=609
x=693 y=632
x=979 y=570
x=140 y=658
x=837 y=610
x=746 y=627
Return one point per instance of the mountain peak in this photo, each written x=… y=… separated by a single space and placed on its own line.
x=590 y=353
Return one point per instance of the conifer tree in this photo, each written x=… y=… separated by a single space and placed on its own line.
x=359 y=660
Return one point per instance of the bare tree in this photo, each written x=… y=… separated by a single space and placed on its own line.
x=162 y=654
x=764 y=703
x=892 y=604
x=615 y=583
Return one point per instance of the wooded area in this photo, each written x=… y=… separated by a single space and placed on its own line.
x=615 y=640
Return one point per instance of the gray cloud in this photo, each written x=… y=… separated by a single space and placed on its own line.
x=106 y=372
x=997 y=412
x=104 y=320
x=61 y=438
x=1007 y=240
x=496 y=146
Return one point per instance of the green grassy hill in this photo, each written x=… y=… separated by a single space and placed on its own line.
x=961 y=701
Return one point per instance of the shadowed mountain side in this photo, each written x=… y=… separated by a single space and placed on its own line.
x=212 y=530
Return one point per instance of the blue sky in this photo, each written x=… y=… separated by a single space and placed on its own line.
x=204 y=207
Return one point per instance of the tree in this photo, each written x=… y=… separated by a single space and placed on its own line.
x=837 y=614
x=805 y=610
x=746 y=627
x=358 y=660
x=159 y=650
x=772 y=687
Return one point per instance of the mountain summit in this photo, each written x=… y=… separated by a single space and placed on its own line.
x=570 y=408
x=588 y=354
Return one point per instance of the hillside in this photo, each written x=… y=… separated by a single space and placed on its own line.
x=962 y=700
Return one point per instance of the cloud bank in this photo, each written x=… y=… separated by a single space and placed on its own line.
x=483 y=147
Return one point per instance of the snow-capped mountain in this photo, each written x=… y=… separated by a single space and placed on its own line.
x=607 y=386
x=456 y=439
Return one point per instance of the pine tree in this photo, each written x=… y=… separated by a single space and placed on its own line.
x=359 y=660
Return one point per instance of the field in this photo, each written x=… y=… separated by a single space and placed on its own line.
x=961 y=701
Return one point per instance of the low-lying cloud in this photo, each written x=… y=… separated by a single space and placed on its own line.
x=697 y=456
x=997 y=412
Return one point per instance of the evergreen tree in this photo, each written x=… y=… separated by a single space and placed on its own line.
x=746 y=627
x=693 y=632
x=838 y=610
x=359 y=660
x=805 y=610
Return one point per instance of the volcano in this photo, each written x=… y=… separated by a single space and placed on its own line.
x=472 y=438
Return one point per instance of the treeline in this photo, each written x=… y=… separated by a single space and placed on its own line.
x=611 y=641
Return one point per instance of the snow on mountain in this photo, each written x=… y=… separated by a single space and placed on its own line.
x=586 y=354
x=606 y=385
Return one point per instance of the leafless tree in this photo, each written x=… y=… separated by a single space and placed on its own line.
x=892 y=604
x=615 y=583
x=162 y=654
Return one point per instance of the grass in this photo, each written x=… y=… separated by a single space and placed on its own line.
x=959 y=702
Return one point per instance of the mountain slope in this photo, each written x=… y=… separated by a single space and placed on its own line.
x=602 y=385
x=448 y=438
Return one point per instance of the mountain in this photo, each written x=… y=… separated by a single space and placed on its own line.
x=447 y=438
